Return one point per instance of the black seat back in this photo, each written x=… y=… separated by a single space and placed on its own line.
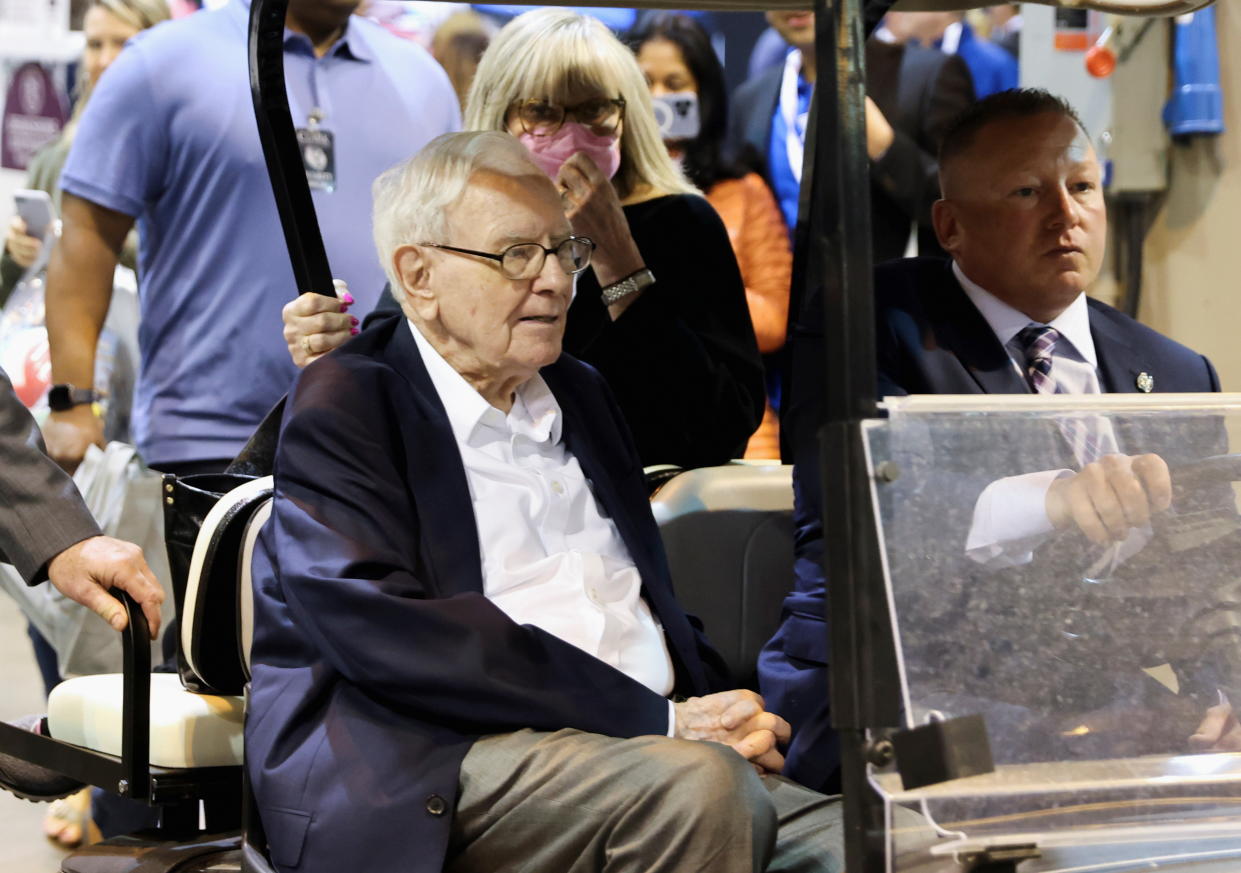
x=728 y=532
x=208 y=577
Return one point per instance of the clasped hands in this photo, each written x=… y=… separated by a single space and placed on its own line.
x=1111 y=496
x=737 y=719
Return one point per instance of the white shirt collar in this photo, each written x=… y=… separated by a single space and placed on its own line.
x=884 y=34
x=535 y=413
x=950 y=42
x=1006 y=322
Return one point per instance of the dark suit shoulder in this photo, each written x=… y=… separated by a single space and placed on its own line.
x=1140 y=333
x=911 y=284
x=923 y=64
x=764 y=87
x=574 y=375
x=350 y=381
x=386 y=306
x=935 y=89
x=749 y=118
x=929 y=69
x=1148 y=342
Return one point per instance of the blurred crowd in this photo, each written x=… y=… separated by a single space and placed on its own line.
x=740 y=150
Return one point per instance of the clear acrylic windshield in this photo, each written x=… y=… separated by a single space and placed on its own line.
x=1070 y=570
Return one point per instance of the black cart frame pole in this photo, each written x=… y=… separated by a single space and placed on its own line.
x=838 y=262
x=311 y=271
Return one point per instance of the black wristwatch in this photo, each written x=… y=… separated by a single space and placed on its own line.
x=63 y=397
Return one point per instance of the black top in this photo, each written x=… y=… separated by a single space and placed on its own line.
x=682 y=359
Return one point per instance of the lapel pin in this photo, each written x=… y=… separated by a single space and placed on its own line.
x=1145 y=382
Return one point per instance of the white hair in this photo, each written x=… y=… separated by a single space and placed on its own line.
x=552 y=53
x=411 y=200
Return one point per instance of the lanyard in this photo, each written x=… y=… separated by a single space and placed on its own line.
x=317 y=86
x=794 y=122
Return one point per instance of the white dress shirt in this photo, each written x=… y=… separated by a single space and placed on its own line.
x=551 y=557
x=1010 y=516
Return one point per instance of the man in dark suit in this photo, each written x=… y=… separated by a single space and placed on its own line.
x=467 y=650
x=1024 y=220
x=991 y=67
x=913 y=95
x=47 y=532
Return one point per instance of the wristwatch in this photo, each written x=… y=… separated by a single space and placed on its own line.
x=63 y=397
x=631 y=284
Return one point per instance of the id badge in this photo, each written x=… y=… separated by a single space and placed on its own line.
x=318 y=148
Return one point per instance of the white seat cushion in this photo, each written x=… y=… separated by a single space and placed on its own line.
x=187 y=729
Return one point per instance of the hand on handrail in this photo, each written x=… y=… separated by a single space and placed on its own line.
x=86 y=570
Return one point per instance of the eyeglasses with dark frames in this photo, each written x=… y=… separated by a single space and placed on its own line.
x=541 y=117
x=526 y=260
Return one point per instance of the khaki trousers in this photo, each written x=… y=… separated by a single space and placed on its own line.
x=573 y=802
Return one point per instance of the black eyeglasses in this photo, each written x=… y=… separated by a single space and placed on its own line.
x=541 y=117
x=526 y=260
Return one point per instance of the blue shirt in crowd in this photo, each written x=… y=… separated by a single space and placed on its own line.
x=784 y=184
x=169 y=137
x=992 y=67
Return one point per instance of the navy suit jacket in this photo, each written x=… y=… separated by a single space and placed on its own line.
x=930 y=339
x=377 y=659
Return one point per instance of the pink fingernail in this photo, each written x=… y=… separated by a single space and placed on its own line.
x=344 y=307
x=354 y=331
x=347 y=297
x=353 y=321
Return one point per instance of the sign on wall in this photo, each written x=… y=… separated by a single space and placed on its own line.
x=34 y=115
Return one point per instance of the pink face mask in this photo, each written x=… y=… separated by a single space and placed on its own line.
x=550 y=152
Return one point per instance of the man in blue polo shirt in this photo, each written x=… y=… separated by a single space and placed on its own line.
x=169 y=139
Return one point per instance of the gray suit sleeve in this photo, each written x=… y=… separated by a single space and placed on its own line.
x=41 y=511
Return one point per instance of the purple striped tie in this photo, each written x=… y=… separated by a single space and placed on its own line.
x=1038 y=341
x=1082 y=434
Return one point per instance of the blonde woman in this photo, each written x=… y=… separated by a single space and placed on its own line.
x=662 y=312
x=107 y=26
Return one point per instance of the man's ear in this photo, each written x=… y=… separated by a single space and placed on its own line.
x=948 y=229
x=413 y=272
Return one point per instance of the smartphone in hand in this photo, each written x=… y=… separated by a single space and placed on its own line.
x=35 y=208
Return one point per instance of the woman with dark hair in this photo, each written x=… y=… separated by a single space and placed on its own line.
x=687 y=84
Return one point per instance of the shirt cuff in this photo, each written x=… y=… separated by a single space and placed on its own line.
x=672 y=719
x=1010 y=519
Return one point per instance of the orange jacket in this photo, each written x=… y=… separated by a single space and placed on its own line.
x=761 y=244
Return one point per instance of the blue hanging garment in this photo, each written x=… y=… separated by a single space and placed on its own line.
x=1196 y=106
